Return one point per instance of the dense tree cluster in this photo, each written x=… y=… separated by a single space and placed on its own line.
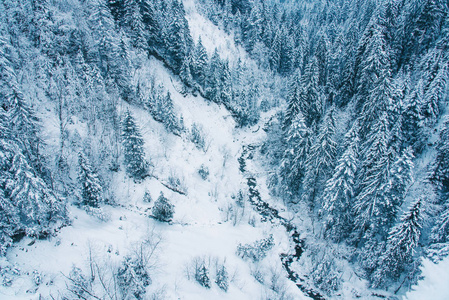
x=365 y=90
x=28 y=204
x=367 y=85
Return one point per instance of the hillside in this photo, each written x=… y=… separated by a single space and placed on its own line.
x=223 y=149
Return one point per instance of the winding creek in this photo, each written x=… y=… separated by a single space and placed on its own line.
x=270 y=214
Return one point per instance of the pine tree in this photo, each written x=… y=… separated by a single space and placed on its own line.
x=412 y=125
x=221 y=278
x=339 y=191
x=213 y=78
x=132 y=20
x=373 y=208
x=185 y=72
x=163 y=210
x=440 y=178
x=440 y=173
x=151 y=23
x=91 y=189
x=399 y=256
x=293 y=107
x=133 y=278
x=178 y=40
x=321 y=159
x=434 y=69
x=202 y=276
x=132 y=141
x=199 y=63
x=293 y=164
x=401 y=177
x=225 y=85
x=373 y=60
x=310 y=95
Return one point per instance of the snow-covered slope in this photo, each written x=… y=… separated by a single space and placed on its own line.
x=207 y=224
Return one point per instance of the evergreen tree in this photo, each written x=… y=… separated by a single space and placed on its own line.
x=150 y=21
x=440 y=230
x=321 y=159
x=401 y=177
x=132 y=20
x=310 y=98
x=132 y=141
x=27 y=204
x=178 y=40
x=440 y=173
x=199 y=63
x=412 y=125
x=434 y=70
x=373 y=60
x=293 y=107
x=185 y=73
x=163 y=210
x=225 y=85
x=293 y=164
x=399 y=257
x=373 y=208
x=221 y=278
x=133 y=278
x=91 y=189
x=339 y=191
x=202 y=276
x=213 y=78
x=440 y=178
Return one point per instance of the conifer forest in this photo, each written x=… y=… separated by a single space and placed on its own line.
x=224 y=149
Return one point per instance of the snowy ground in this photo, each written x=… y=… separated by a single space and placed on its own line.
x=206 y=224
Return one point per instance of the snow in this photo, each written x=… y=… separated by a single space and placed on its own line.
x=434 y=284
x=204 y=226
x=211 y=36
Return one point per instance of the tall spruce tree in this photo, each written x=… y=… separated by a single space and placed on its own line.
x=399 y=259
x=321 y=159
x=91 y=189
x=293 y=164
x=136 y=165
x=339 y=191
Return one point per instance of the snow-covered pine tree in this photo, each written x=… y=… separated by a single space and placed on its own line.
x=132 y=20
x=133 y=278
x=373 y=209
x=178 y=40
x=339 y=191
x=185 y=71
x=199 y=63
x=440 y=173
x=399 y=259
x=136 y=165
x=221 y=278
x=310 y=95
x=293 y=164
x=321 y=159
x=212 y=84
x=150 y=22
x=91 y=189
x=412 y=121
x=225 y=85
x=401 y=177
x=163 y=210
x=293 y=107
x=440 y=178
x=202 y=276
x=439 y=247
x=167 y=114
